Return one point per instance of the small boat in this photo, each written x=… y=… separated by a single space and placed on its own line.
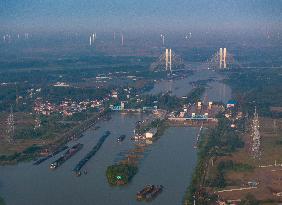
x=121 y=138
x=96 y=128
x=78 y=174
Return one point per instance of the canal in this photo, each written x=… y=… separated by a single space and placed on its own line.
x=215 y=91
x=168 y=161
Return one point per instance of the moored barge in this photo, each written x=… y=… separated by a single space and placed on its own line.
x=69 y=153
x=149 y=192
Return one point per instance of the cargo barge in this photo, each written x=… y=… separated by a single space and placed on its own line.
x=149 y=192
x=39 y=161
x=146 y=190
x=157 y=190
x=69 y=153
x=90 y=154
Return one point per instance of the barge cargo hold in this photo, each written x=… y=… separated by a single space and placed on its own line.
x=146 y=190
x=157 y=190
x=69 y=153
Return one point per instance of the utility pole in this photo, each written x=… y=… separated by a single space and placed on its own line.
x=10 y=126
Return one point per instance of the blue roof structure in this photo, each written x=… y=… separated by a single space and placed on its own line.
x=232 y=102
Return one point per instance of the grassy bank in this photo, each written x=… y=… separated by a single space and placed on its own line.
x=219 y=141
x=33 y=151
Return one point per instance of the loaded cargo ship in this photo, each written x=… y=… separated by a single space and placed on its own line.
x=146 y=190
x=156 y=191
x=90 y=154
x=149 y=192
x=69 y=153
x=60 y=149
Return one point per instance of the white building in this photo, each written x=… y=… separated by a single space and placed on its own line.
x=114 y=94
x=151 y=133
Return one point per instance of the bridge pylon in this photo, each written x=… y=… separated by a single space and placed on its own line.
x=168 y=61
x=222 y=59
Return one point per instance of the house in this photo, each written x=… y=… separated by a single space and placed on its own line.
x=114 y=94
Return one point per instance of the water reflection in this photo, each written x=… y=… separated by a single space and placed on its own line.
x=216 y=91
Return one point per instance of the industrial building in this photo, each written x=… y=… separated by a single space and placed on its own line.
x=151 y=133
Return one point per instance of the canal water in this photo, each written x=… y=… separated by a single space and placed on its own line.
x=169 y=161
x=216 y=90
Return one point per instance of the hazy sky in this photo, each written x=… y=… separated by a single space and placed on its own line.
x=107 y=15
